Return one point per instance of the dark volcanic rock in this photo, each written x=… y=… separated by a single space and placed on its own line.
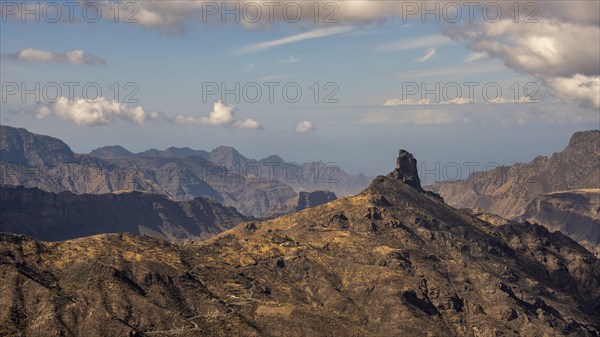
x=406 y=169
x=506 y=191
x=312 y=199
x=407 y=172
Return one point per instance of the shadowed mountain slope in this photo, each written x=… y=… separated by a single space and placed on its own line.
x=64 y=216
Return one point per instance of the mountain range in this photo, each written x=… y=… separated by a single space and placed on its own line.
x=561 y=192
x=301 y=177
x=49 y=216
x=394 y=260
x=255 y=188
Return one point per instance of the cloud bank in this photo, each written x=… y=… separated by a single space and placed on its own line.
x=563 y=54
x=558 y=45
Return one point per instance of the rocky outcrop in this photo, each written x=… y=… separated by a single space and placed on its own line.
x=313 y=199
x=390 y=261
x=65 y=216
x=406 y=170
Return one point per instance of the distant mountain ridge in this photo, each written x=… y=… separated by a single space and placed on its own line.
x=64 y=216
x=39 y=161
x=524 y=191
x=301 y=177
x=20 y=146
x=506 y=191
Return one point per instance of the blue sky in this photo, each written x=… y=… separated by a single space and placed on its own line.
x=369 y=57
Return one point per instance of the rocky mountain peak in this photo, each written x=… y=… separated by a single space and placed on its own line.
x=114 y=151
x=406 y=169
x=590 y=138
x=19 y=146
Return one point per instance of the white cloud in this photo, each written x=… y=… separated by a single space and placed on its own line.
x=475 y=56
x=291 y=59
x=578 y=88
x=250 y=68
x=41 y=56
x=559 y=53
x=305 y=127
x=407 y=101
x=247 y=124
x=547 y=48
x=313 y=34
x=101 y=112
x=416 y=43
x=503 y=100
x=429 y=54
x=223 y=115
x=172 y=16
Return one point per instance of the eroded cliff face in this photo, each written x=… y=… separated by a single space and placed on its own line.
x=391 y=261
x=510 y=191
x=575 y=213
